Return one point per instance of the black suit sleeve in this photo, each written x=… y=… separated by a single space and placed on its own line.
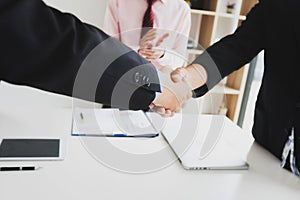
x=234 y=51
x=44 y=48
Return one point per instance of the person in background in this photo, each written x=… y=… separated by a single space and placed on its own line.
x=277 y=113
x=44 y=48
x=157 y=29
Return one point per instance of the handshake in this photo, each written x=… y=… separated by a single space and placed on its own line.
x=177 y=88
x=177 y=85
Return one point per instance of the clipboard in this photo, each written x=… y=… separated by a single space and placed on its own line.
x=111 y=123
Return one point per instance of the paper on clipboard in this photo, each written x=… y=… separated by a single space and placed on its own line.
x=111 y=123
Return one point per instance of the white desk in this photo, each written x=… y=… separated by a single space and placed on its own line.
x=80 y=176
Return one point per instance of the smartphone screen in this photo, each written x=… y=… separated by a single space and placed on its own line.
x=27 y=148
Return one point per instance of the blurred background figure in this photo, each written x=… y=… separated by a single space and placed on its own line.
x=157 y=29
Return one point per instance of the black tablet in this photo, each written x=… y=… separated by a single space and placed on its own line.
x=31 y=149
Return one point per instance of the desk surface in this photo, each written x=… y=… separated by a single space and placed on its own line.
x=80 y=176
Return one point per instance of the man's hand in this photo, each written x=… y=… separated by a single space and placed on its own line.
x=173 y=96
x=173 y=100
x=161 y=110
x=149 y=49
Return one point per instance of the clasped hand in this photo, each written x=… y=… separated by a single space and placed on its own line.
x=177 y=88
x=149 y=49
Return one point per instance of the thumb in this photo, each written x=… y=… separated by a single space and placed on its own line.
x=178 y=75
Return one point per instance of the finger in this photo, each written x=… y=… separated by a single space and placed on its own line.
x=161 y=39
x=152 y=58
x=149 y=36
x=159 y=110
x=146 y=45
x=141 y=54
x=176 y=76
x=153 y=51
x=152 y=105
x=152 y=30
x=150 y=33
x=156 y=107
x=154 y=55
x=148 y=51
x=149 y=56
x=169 y=113
x=159 y=53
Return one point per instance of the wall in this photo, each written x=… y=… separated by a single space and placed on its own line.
x=90 y=11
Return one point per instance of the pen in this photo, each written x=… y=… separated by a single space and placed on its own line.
x=25 y=168
x=81 y=116
x=102 y=135
x=147 y=135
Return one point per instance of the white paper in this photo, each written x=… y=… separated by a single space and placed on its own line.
x=110 y=122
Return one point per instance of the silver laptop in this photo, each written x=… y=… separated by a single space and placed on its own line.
x=202 y=142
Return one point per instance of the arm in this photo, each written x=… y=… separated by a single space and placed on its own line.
x=111 y=22
x=44 y=48
x=232 y=52
x=176 y=51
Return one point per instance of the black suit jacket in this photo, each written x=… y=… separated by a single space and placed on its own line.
x=272 y=26
x=44 y=48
